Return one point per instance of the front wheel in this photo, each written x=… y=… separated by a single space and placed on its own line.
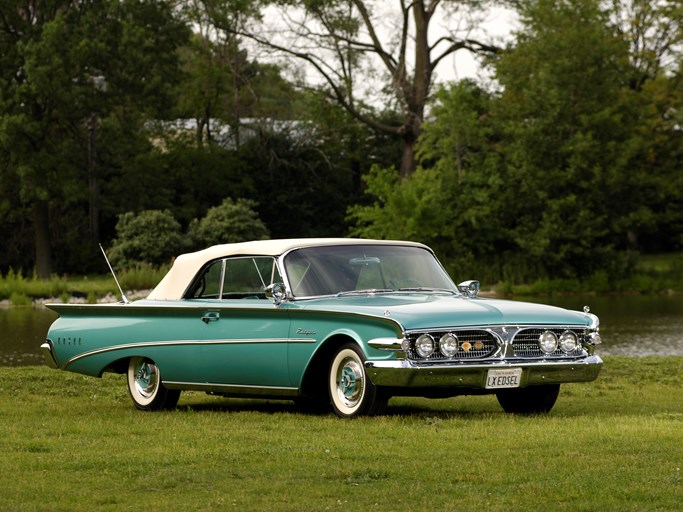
x=531 y=400
x=145 y=387
x=351 y=392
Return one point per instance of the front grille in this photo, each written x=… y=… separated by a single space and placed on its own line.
x=525 y=343
x=472 y=344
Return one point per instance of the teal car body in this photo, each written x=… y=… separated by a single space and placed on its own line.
x=338 y=323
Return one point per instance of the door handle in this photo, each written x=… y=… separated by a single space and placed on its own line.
x=211 y=316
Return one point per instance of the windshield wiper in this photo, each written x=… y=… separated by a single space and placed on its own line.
x=425 y=289
x=365 y=292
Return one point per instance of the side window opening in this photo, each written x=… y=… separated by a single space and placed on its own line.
x=236 y=278
x=208 y=286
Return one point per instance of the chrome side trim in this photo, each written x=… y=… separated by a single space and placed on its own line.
x=386 y=343
x=503 y=331
x=237 y=390
x=175 y=343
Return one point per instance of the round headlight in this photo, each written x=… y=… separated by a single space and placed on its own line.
x=568 y=342
x=424 y=345
x=547 y=342
x=448 y=345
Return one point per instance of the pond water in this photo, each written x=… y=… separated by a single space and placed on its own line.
x=629 y=325
x=638 y=325
x=22 y=331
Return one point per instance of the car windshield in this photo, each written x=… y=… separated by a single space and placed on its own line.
x=347 y=269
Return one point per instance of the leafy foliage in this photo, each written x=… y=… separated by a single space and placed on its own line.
x=565 y=140
x=451 y=202
x=553 y=175
x=152 y=237
x=232 y=221
x=75 y=74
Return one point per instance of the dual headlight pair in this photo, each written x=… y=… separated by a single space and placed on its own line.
x=568 y=342
x=449 y=345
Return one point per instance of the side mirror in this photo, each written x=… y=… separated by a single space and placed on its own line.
x=276 y=293
x=469 y=289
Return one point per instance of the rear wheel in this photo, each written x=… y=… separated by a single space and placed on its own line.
x=145 y=387
x=351 y=392
x=531 y=400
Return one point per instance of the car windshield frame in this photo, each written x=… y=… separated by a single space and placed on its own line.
x=345 y=270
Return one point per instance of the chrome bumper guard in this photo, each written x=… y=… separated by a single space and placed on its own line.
x=405 y=373
x=48 y=352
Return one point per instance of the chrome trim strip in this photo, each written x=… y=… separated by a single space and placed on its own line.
x=233 y=389
x=503 y=331
x=190 y=305
x=173 y=343
x=386 y=343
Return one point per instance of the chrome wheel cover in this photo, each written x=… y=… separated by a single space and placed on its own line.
x=350 y=382
x=146 y=379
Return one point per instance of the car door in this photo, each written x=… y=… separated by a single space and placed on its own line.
x=243 y=336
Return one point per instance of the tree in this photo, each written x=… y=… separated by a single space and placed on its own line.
x=152 y=237
x=350 y=43
x=452 y=200
x=566 y=172
x=569 y=122
x=221 y=82
x=654 y=32
x=72 y=75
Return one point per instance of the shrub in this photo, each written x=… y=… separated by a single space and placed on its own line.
x=151 y=236
x=19 y=299
x=232 y=221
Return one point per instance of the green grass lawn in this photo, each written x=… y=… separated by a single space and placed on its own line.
x=73 y=443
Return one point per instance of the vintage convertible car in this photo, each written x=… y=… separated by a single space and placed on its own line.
x=341 y=322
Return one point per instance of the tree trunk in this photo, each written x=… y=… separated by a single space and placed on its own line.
x=41 y=231
x=408 y=163
x=409 y=134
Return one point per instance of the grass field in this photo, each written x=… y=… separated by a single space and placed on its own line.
x=75 y=443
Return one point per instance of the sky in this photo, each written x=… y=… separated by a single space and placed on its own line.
x=499 y=25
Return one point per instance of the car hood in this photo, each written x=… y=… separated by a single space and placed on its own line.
x=417 y=310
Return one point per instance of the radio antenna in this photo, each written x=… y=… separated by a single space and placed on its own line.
x=123 y=295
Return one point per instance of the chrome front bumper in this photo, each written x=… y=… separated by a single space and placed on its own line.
x=404 y=373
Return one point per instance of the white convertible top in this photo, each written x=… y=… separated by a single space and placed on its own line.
x=186 y=266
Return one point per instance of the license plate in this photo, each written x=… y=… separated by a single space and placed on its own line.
x=507 y=378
